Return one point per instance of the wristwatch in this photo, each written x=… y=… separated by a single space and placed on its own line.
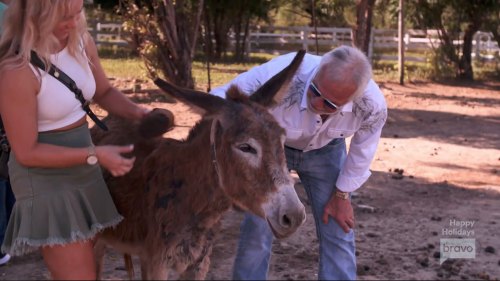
x=342 y=195
x=92 y=156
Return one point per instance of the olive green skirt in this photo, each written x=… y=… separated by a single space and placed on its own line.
x=56 y=206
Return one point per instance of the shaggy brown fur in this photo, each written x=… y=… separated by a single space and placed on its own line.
x=174 y=197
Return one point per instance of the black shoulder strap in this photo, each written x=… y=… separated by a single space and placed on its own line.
x=68 y=82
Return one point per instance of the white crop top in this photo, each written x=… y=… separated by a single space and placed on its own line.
x=57 y=105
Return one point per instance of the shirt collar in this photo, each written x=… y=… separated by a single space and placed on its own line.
x=303 y=105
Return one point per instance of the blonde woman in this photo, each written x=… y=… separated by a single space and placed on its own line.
x=62 y=200
x=6 y=196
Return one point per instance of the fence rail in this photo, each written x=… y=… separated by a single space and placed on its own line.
x=107 y=33
x=279 y=40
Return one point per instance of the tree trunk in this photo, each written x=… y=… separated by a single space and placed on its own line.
x=465 y=70
x=166 y=34
x=362 y=30
x=242 y=25
x=172 y=21
x=245 y=38
x=401 y=43
x=447 y=44
x=221 y=30
x=238 y=23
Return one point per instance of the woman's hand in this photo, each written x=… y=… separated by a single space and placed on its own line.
x=111 y=158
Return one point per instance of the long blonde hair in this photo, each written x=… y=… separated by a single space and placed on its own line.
x=29 y=24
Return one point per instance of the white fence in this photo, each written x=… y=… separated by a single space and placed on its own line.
x=107 y=33
x=282 y=39
x=285 y=39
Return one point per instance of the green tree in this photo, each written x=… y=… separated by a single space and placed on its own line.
x=165 y=34
x=328 y=13
x=226 y=17
x=363 y=28
x=455 y=20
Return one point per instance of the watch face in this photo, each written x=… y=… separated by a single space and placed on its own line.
x=92 y=160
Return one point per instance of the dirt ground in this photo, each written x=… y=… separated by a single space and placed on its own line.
x=438 y=164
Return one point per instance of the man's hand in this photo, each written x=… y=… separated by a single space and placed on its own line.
x=341 y=211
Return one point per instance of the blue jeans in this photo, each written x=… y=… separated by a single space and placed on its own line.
x=318 y=171
x=7 y=200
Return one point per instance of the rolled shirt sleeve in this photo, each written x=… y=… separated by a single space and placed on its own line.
x=362 y=150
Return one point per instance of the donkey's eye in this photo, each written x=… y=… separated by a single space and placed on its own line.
x=247 y=148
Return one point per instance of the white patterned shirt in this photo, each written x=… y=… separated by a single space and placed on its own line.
x=362 y=119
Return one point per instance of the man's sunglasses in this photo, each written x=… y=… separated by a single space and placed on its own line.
x=317 y=93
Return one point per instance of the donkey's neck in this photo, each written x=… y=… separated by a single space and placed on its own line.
x=205 y=193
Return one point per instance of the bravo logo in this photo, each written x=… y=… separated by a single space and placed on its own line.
x=454 y=248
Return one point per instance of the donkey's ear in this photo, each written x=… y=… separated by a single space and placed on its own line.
x=156 y=123
x=275 y=89
x=209 y=103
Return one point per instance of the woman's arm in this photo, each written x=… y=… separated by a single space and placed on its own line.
x=107 y=96
x=18 y=108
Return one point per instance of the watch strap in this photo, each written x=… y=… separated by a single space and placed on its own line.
x=342 y=195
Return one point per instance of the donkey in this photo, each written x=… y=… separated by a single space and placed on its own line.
x=173 y=199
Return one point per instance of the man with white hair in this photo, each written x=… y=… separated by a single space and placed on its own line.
x=331 y=97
